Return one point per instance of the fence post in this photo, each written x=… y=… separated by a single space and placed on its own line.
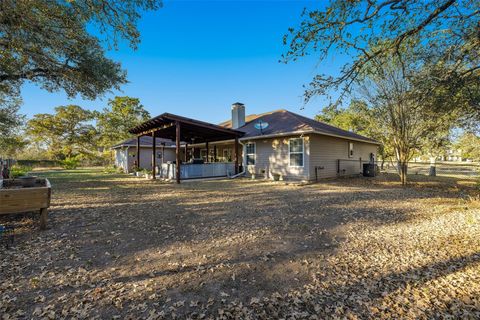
x=433 y=169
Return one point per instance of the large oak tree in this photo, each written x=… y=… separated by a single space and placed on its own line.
x=59 y=44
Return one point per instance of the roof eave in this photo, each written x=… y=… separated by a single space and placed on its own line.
x=309 y=132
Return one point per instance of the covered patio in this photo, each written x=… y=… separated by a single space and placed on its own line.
x=188 y=134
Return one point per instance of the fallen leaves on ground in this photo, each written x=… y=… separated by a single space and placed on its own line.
x=123 y=248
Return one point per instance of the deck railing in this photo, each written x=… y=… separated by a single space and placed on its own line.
x=197 y=171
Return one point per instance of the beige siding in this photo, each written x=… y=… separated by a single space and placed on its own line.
x=127 y=163
x=326 y=151
x=272 y=157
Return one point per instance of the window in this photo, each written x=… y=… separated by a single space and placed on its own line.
x=250 y=151
x=295 y=150
x=350 y=149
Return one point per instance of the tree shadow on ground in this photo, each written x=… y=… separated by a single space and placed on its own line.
x=161 y=231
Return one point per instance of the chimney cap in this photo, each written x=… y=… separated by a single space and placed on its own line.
x=237 y=104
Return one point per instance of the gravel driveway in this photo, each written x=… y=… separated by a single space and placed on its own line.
x=123 y=247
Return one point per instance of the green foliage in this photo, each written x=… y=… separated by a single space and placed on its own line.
x=11 y=121
x=146 y=171
x=65 y=134
x=402 y=121
x=112 y=169
x=19 y=170
x=47 y=42
x=70 y=163
x=113 y=123
x=358 y=117
x=469 y=146
x=441 y=37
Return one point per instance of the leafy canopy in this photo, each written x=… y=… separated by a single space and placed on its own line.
x=469 y=146
x=47 y=42
x=67 y=133
x=113 y=123
x=443 y=36
x=10 y=126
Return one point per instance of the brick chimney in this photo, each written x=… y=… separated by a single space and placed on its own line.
x=238 y=115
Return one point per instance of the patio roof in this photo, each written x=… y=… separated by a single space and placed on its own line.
x=192 y=131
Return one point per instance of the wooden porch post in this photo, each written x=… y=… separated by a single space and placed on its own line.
x=186 y=150
x=138 y=152
x=236 y=155
x=215 y=153
x=208 y=151
x=161 y=164
x=177 y=151
x=154 y=156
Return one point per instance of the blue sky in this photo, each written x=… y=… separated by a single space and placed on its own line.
x=198 y=57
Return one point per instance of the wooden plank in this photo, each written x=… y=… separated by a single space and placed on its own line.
x=43 y=218
x=26 y=200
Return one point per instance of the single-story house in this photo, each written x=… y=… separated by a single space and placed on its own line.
x=277 y=144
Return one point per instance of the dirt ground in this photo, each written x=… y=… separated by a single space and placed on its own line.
x=124 y=247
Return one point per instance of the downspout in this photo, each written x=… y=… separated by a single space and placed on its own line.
x=243 y=162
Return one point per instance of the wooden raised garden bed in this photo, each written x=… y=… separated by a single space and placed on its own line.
x=15 y=198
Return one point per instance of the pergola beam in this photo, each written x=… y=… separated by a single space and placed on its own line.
x=161 y=127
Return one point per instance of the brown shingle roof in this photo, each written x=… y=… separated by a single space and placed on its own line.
x=283 y=122
x=248 y=118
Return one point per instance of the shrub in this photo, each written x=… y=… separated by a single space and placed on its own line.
x=70 y=163
x=112 y=169
x=19 y=170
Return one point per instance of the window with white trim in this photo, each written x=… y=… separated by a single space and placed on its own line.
x=250 y=152
x=350 y=149
x=295 y=151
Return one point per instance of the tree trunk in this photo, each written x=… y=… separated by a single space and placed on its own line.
x=403 y=172
x=402 y=163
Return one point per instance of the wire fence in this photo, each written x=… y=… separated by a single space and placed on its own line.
x=456 y=169
x=346 y=167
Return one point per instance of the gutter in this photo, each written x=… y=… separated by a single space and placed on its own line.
x=307 y=132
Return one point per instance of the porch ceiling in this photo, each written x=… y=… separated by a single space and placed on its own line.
x=191 y=130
